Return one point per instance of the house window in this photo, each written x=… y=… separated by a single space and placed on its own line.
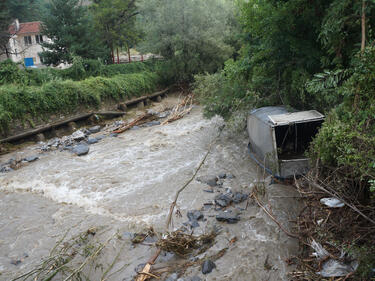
x=39 y=39
x=27 y=40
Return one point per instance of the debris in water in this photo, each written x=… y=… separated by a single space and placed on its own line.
x=332 y=202
x=334 y=268
x=183 y=244
x=180 y=110
x=320 y=252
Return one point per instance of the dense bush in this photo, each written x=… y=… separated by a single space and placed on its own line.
x=11 y=73
x=347 y=139
x=16 y=102
x=225 y=92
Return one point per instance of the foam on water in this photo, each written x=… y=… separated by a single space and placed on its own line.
x=120 y=174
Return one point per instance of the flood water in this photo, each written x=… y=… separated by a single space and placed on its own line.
x=126 y=184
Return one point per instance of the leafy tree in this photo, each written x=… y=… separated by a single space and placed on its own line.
x=189 y=33
x=70 y=29
x=115 y=20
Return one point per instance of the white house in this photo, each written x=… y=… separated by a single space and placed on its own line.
x=24 y=44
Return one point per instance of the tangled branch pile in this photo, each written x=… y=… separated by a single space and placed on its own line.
x=67 y=259
x=180 y=110
x=183 y=244
x=334 y=236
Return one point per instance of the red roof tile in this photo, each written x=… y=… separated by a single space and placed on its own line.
x=26 y=27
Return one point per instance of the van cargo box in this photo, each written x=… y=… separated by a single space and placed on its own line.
x=279 y=138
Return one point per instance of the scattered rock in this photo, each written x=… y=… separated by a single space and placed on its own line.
x=223 y=200
x=210 y=180
x=113 y=135
x=78 y=135
x=31 y=158
x=5 y=169
x=100 y=137
x=135 y=128
x=208 y=190
x=95 y=129
x=55 y=142
x=208 y=266
x=195 y=278
x=194 y=215
x=92 y=140
x=239 y=197
x=81 y=149
x=228 y=217
x=192 y=224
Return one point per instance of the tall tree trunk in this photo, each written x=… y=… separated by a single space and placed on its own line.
x=118 y=57
x=363 y=43
x=129 y=57
x=113 y=55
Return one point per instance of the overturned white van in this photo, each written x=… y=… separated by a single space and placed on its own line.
x=279 y=138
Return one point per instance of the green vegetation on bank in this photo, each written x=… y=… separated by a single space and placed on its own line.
x=11 y=73
x=27 y=93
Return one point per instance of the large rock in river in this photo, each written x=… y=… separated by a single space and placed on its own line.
x=81 y=149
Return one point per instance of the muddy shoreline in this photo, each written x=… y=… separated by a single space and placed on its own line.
x=126 y=184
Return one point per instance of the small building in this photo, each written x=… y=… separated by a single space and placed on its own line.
x=24 y=43
x=279 y=138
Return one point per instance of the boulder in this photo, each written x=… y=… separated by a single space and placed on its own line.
x=81 y=149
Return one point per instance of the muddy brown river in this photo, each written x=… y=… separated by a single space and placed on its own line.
x=126 y=185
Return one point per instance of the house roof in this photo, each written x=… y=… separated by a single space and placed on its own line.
x=26 y=28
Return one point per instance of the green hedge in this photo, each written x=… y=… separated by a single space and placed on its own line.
x=16 y=102
x=11 y=73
